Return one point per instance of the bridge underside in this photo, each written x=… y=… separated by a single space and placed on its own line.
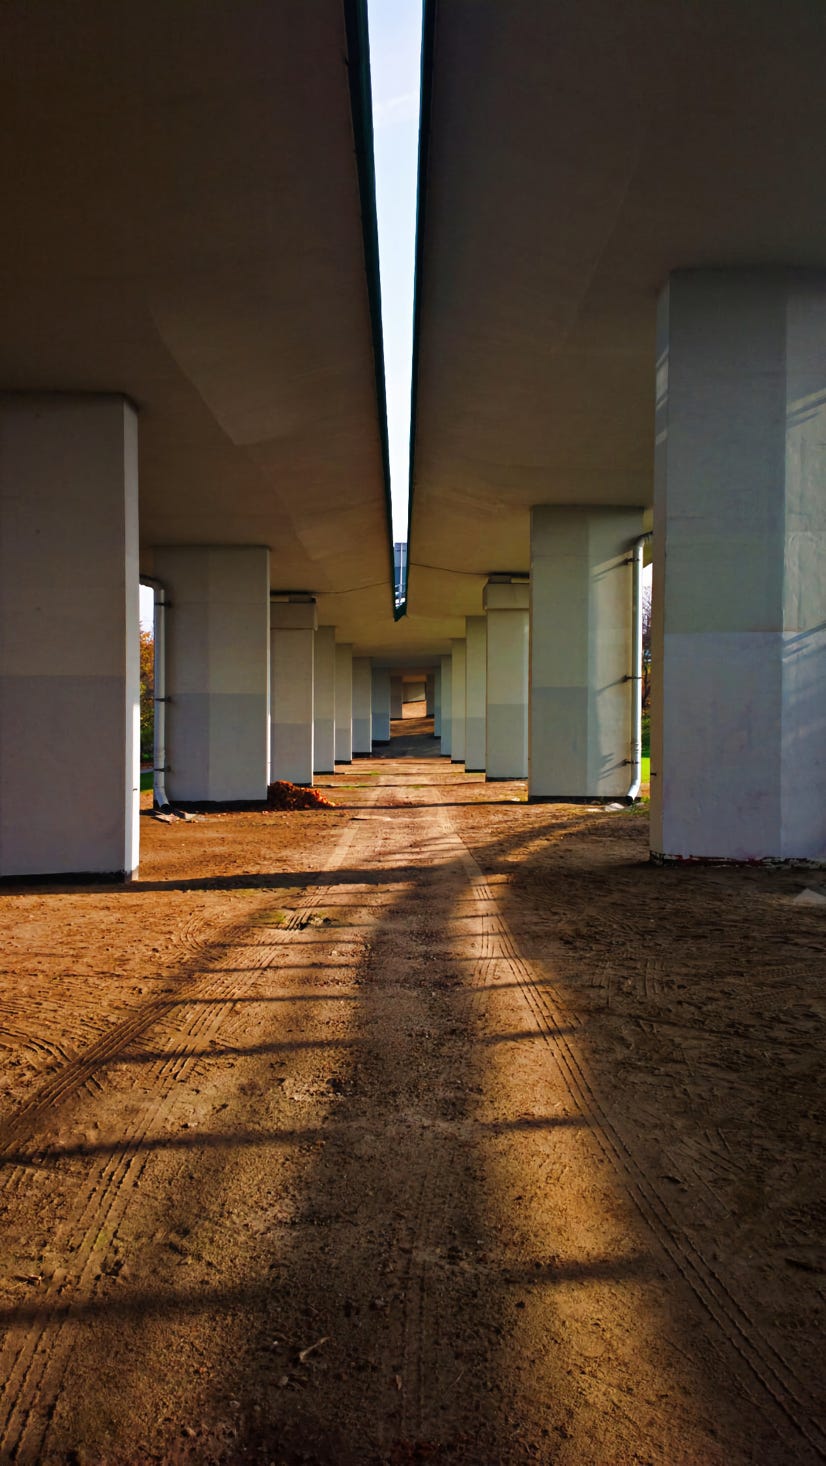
x=619 y=211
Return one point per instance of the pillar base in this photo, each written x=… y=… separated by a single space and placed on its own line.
x=764 y=862
x=603 y=799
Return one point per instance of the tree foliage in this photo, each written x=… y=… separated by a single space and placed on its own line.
x=147 y=696
x=646 y=649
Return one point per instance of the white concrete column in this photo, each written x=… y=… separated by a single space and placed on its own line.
x=738 y=758
x=362 y=705
x=344 y=702
x=324 y=700
x=447 y=705
x=381 y=705
x=69 y=675
x=396 y=697
x=437 y=702
x=217 y=671
x=430 y=695
x=292 y=655
x=475 y=684
x=506 y=695
x=581 y=652
x=458 y=708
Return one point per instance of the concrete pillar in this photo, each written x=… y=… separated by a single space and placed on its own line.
x=430 y=695
x=447 y=705
x=506 y=699
x=362 y=705
x=218 y=672
x=69 y=675
x=738 y=758
x=381 y=705
x=396 y=697
x=475 y=683
x=437 y=702
x=324 y=700
x=458 y=710
x=344 y=702
x=581 y=652
x=292 y=655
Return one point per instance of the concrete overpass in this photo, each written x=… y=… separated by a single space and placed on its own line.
x=190 y=359
x=583 y=163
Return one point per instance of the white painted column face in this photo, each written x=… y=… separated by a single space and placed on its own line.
x=475 y=692
x=381 y=705
x=292 y=659
x=69 y=668
x=437 y=702
x=344 y=702
x=396 y=697
x=324 y=700
x=447 y=705
x=218 y=672
x=506 y=729
x=458 y=709
x=362 y=705
x=581 y=652
x=739 y=599
x=430 y=695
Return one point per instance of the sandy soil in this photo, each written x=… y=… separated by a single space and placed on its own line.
x=435 y=1127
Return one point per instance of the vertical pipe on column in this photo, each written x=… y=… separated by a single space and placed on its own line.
x=159 y=678
x=636 y=667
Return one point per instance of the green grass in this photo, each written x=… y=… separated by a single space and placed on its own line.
x=146 y=780
x=646 y=769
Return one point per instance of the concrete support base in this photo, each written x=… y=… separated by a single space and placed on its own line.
x=344 y=703
x=381 y=705
x=506 y=695
x=475 y=693
x=430 y=695
x=581 y=652
x=218 y=672
x=458 y=707
x=362 y=707
x=69 y=675
x=292 y=658
x=324 y=701
x=447 y=705
x=396 y=697
x=738 y=758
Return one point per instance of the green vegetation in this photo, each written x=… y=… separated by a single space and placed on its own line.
x=146 y=779
x=147 y=675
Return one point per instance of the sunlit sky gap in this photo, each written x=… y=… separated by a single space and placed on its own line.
x=395 y=28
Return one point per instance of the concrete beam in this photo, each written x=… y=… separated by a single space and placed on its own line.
x=739 y=635
x=324 y=700
x=218 y=672
x=292 y=655
x=69 y=713
x=506 y=696
x=580 y=692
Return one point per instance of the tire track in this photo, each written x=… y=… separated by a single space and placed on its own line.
x=34 y=1358
x=779 y=1388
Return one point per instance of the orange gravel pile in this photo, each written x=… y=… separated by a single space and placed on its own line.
x=284 y=795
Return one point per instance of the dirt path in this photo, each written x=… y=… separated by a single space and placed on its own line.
x=365 y=1144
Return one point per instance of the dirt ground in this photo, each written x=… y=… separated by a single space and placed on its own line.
x=434 y=1127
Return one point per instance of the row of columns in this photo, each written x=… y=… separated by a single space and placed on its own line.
x=541 y=685
x=739 y=644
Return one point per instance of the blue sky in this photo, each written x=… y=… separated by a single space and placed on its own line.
x=395 y=58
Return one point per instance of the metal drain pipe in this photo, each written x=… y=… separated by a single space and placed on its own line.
x=636 y=562
x=159 y=770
